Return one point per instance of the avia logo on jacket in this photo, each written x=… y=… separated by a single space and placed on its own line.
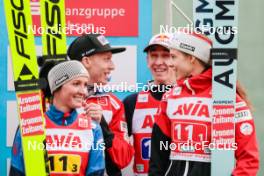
x=192 y=107
x=197 y=109
x=148 y=121
x=64 y=139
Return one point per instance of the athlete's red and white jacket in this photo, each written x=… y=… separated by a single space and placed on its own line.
x=69 y=144
x=185 y=114
x=140 y=110
x=142 y=122
x=114 y=129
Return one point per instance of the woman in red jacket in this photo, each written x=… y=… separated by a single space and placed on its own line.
x=185 y=117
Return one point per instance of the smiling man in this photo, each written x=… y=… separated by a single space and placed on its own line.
x=95 y=53
x=141 y=107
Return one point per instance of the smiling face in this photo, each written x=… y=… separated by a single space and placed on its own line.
x=71 y=94
x=99 y=66
x=161 y=65
x=183 y=64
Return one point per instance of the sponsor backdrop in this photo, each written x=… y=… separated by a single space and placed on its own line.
x=125 y=23
x=101 y=16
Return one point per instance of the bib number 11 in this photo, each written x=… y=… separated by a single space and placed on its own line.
x=189 y=132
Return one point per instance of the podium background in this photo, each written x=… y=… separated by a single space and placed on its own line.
x=132 y=64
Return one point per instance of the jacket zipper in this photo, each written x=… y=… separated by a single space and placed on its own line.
x=186 y=168
x=168 y=169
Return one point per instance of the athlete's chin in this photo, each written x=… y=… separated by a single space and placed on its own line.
x=161 y=78
x=76 y=104
x=104 y=81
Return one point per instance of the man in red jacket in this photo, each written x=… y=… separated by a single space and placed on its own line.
x=95 y=53
x=141 y=107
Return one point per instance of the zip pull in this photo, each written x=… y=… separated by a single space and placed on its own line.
x=65 y=116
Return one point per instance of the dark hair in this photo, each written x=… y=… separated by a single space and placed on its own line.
x=43 y=74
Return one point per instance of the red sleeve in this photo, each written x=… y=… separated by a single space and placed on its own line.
x=247 y=153
x=121 y=150
x=162 y=119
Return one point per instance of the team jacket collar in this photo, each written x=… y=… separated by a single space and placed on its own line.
x=56 y=115
x=198 y=83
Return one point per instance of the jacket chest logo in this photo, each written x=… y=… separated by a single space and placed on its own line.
x=148 y=121
x=60 y=140
x=193 y=109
